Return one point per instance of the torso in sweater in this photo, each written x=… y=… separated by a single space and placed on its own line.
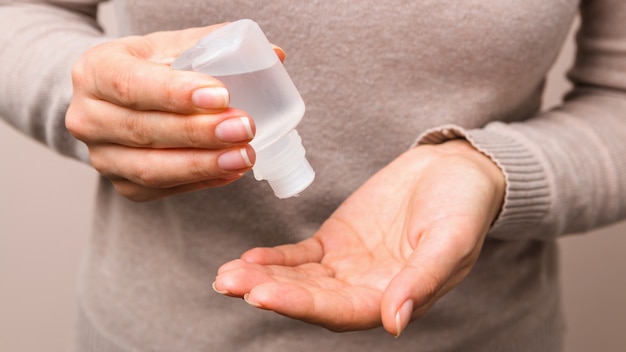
x=374 y=75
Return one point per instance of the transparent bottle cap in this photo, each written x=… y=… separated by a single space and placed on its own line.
x=293 y=183
x=284 y=165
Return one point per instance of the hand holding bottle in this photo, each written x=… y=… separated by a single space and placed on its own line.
x=240 y=55
x=152 y=130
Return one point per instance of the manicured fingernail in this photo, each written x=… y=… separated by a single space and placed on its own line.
x=218 y=291
x=403 y=316
x=280 y=52
x=235 y=160
x=246 y=298
x=234 y=130
x=211 y=97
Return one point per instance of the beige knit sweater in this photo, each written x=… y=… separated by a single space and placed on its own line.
x=375 y=75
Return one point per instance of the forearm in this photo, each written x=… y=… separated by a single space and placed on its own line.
x=39 y=43
x=564 y=168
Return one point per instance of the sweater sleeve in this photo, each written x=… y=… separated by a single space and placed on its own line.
x=39 y=42
x=565 y=167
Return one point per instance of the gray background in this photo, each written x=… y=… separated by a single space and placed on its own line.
x=45 y=214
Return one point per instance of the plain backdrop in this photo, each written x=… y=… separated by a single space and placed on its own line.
x=45 y=215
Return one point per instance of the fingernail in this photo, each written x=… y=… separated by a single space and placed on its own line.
x=210 y=97
x=235 y=160
x=234 y=130
x=246 y=298
x=280 y=52
x=218 y=291
x=403 y=316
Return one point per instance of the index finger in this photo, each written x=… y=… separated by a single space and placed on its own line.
x=307 y=251
x=110 y=73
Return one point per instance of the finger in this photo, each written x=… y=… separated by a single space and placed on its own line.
x=241 y=276
x=112 y=72
x=438 y=263
x=166 y=168
x=351 y=308
x=101 y=122
x=307 y=251
x=308 y=292
x=141 y=85
x=237 y=278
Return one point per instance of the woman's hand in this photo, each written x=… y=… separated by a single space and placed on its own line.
x=154 y=131
x=388 y=253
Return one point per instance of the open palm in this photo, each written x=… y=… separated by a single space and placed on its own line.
x=406 y=237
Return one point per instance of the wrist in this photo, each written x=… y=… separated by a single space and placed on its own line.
x=461 y=150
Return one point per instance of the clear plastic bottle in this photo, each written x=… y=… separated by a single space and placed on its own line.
x=239 y=55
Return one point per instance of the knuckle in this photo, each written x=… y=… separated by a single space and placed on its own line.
x=171 y=91
x=74 y=122
x=199 y=168
x=80 y=68
x=78 y=72
x=84 y=68
x=195 y=137
x=82 y=121
x=96 y=71
x=123 y=85
x=174 y=91
x=147 y=176
x=75 y=116
x=138 y=130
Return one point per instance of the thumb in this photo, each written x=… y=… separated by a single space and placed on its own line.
x=443 y=256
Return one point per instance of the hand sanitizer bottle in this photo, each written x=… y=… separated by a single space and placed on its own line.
x=239 y=55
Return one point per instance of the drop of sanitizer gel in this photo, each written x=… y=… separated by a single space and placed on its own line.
x=239 y=55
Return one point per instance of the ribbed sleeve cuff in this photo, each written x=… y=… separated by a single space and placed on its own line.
x=527 y=199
